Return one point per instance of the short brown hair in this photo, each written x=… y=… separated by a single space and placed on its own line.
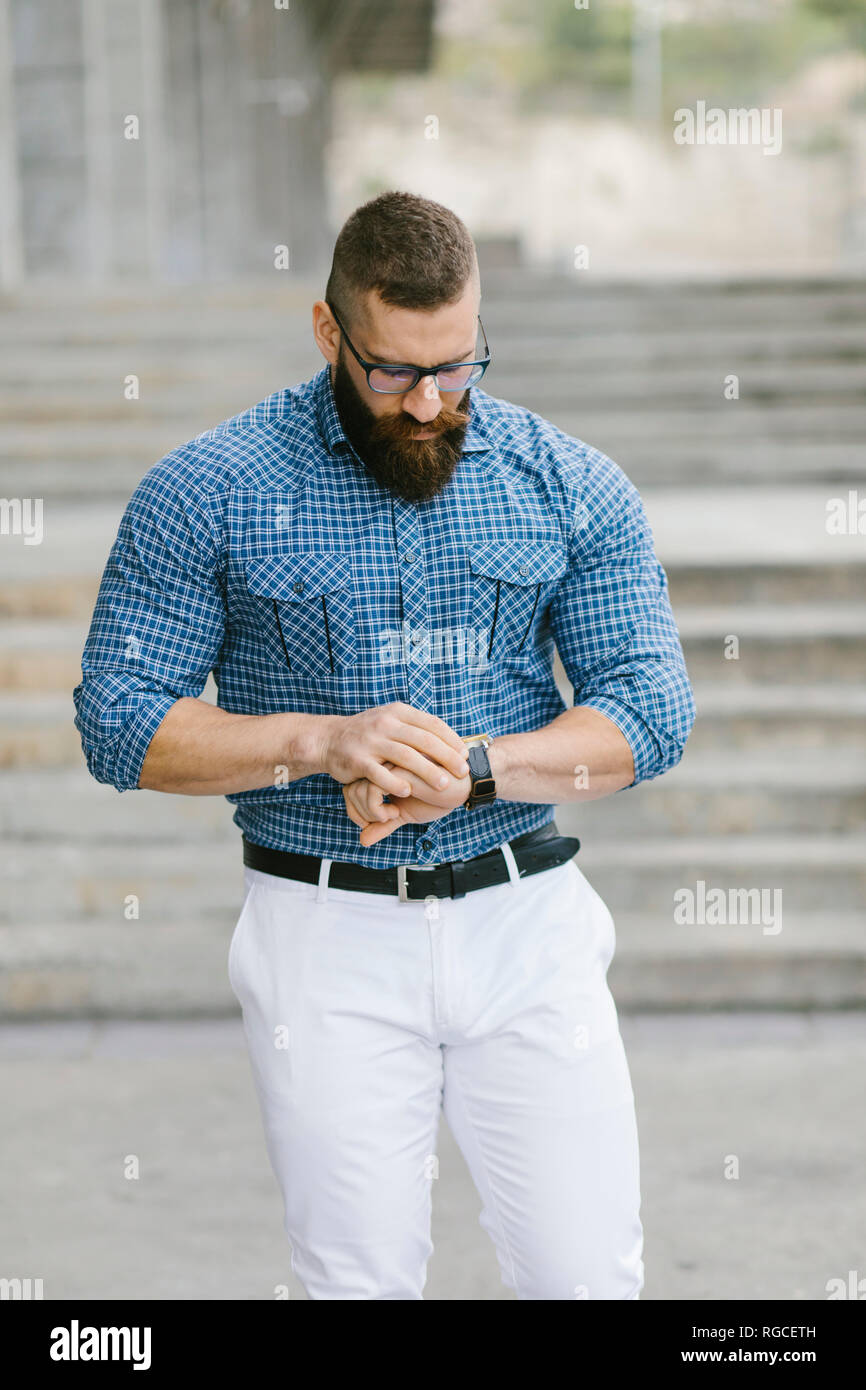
x=415 y=253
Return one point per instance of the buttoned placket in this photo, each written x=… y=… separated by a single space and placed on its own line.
x=415 y=616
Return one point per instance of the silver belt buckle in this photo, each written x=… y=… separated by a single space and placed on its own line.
x=402 y=895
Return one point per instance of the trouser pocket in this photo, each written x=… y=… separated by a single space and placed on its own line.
x=239 y=933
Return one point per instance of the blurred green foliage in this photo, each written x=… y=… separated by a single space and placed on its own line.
x=557 y=57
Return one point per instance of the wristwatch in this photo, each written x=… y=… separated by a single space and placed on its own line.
x=483 y=790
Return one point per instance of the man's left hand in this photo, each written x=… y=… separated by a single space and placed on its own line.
x=377 y=818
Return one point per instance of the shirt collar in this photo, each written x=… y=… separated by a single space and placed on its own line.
x=332 y=431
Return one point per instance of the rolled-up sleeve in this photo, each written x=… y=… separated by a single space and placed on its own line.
x=613 y=625
x=158 y=624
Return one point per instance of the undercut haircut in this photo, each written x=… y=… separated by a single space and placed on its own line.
x=415 y=253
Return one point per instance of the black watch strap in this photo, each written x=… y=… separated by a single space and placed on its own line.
x=483 y=790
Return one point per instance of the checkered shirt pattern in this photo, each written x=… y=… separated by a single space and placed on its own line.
x=264 y=552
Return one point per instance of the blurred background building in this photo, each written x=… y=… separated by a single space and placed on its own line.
x=172 y=176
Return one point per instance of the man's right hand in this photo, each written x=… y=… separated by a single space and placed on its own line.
x=358 y=745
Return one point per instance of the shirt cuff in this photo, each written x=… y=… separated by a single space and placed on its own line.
x=644 y=748
x=119 y=760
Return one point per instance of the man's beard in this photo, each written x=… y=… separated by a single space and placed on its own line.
x=414 y=469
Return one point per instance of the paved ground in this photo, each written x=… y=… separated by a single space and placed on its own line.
x=783 y=1093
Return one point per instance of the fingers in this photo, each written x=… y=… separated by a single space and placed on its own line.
x=434 y=724
x=364 y=804
x=411 y=811
x=425 y=776
x=439 y=752
x=426 y=733
x=373 y=833
x=355 y=816
x=440 y=799
x=392 y=783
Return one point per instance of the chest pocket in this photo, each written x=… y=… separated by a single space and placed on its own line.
x=511 y=581
x=306 y=609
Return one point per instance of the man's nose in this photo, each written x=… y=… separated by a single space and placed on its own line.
x=423 y=402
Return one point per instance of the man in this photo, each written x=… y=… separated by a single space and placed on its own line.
x=376 y=565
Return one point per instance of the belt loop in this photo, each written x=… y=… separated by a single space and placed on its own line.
x=324 y=873
x=510 y=862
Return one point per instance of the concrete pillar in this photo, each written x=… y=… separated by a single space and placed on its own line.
x=48 y=80
x=233 y=115
x=10 y=220
x=152 y=58
x=290 y=126
x=97 y=138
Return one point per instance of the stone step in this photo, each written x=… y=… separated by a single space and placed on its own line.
x=178 y=967
x=36 y=729
x=139 y=434
x=773 y=546
x=800 y=643
x=702 y=463
x=713 y=794
x=766 y=656
x=41 y=656
x=173 y=357
x=659 y=344
x=93 y=882
x=50 y=596
x=65 y=805
x=705 y=585
x=99 y=397
x=813 y=872
x=656 y=390
x=817 y=960
x=86 y=883
x=751 y=532
x=528 y=285
x=707 y=794
x=729 y=422
x=521 y=297
x=92 y=446
x=175 y=969
x=778 y=718
x=45 y=591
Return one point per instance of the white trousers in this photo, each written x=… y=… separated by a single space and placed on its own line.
x=365 y=1016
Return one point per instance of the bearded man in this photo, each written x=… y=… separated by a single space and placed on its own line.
x=376 y=566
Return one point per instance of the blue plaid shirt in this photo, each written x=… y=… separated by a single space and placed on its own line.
x=263 y=551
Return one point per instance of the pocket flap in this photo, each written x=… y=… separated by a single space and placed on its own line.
x=518 y=562
x=300 y=576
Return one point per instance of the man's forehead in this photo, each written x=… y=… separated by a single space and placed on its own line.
x=391 y=335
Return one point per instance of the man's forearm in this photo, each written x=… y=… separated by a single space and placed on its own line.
x=201 y=750
x=580 y=756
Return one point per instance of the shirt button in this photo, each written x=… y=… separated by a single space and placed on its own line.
x=524 y=569
x=409 y=557
x=299 y=588
x=426 y=846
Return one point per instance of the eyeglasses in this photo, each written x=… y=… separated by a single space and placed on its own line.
x=393 y=380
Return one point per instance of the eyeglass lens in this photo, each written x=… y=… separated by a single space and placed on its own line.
x=395 y=379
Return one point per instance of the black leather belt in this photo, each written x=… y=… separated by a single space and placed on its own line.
x=538 y=849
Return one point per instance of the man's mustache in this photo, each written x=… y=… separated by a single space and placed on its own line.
x=402 y=429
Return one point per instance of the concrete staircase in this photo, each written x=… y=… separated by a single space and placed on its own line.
x=771 y=793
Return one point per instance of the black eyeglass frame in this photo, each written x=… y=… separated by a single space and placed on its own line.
x=368 y=367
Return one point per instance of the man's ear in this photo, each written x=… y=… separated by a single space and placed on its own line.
x=326 y=332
